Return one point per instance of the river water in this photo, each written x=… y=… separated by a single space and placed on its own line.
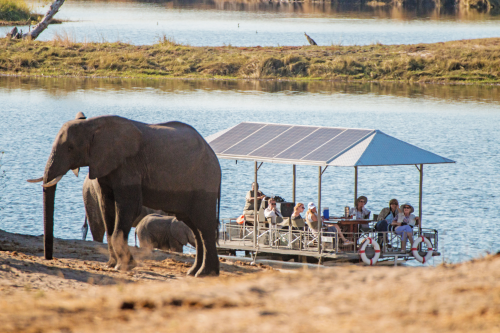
x=214 y=23
x=457 y=122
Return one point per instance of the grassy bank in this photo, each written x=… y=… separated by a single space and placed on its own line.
x=14 y=11
x=17 y=12
x=472 y=61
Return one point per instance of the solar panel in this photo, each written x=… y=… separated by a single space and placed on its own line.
x=257 y=139
x=310 y=143
x=337 y=145
x=282 y=142
x=234 y=135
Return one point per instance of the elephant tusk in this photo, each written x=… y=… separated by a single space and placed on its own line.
x=53 y=182
x=37 y=180
x=76 y=171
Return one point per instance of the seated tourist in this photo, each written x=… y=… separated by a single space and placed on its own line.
x=248 y=211
x=297 y=220
x=312 y=222
x=404 y=224
x=273 y=212
x=359 y=212
x=385 y=218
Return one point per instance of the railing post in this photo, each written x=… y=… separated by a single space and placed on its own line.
x=355 y=184
x=420 y=198
x=320 y=222
x=255 y=209
x=294 y=183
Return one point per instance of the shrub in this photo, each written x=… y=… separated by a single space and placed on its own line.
x=14 y=10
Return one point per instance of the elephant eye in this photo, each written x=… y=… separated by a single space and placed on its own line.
x=70 y=148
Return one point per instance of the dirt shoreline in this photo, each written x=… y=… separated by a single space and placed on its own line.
x=77 y=293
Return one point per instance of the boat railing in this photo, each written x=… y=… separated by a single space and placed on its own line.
x=289 y=238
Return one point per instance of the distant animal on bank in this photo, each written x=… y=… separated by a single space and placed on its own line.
x=93 y=214
x=310 y=40
x=167 y=166
x=164 y=232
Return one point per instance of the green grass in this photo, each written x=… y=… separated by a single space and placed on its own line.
x=470 y=61
x=14 y=10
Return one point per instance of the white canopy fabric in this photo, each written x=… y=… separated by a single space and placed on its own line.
x=314 y=145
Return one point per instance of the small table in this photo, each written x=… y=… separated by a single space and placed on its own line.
x=351 y=224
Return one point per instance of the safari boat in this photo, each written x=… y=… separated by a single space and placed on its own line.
x=323 y=147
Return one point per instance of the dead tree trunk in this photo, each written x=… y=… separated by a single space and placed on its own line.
x=44 y=23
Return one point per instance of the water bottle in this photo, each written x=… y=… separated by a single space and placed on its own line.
x=326 y=213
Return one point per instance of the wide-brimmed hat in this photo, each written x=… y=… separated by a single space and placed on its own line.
x=359 y=198
x=407 y=204
x=311 y=205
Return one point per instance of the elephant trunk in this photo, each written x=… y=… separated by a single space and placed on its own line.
x=51 y=174
x=49 y=194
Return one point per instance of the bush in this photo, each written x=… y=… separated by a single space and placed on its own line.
x=14 y=10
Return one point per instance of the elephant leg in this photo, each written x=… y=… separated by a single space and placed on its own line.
x=128 y=204
x=107 y=207
x=200 y=252
x=211 y=263
x=97 y=227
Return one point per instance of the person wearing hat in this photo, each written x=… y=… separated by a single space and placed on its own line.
x=404 y=224
x=360 y=212
x=248 y=210
x=312 y=222
x=385 y=218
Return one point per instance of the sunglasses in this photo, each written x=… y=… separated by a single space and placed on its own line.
x=407 y=207
x=273 y=204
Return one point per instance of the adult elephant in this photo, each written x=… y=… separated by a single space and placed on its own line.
x=166 y=166
x=93 y=213
x=163 y=232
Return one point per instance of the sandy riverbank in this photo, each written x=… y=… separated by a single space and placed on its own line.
x=76 y=293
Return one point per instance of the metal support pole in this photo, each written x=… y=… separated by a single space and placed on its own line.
x=420 y=198
x=355 y=185
x=320 y=222
x=255 y=209
x=294 y=183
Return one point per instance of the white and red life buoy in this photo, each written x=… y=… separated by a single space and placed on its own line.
x=362 y=253
x=414 y=249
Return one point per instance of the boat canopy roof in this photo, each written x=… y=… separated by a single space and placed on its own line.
x=316 y=145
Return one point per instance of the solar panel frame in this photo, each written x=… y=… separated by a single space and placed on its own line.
x=309 y=143
x=234 y=135
x=257 y=139
x=336 y=145
x=282 y=142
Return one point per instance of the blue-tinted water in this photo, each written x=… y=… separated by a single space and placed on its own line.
x=460 y=123
x=202 y=23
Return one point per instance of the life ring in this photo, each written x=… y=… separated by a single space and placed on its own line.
x=414 y=249
x=362 y=253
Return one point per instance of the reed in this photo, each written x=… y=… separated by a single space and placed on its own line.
x=471 y=61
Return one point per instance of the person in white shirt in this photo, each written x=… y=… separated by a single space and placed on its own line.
x=404 y=224
x=273 y=212
x=360 y=212
x=312 y=222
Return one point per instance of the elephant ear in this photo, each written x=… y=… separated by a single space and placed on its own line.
x=113 y=140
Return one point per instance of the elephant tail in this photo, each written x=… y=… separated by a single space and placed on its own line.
x=218 y=215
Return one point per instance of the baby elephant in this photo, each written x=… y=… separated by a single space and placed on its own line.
x=164 y=232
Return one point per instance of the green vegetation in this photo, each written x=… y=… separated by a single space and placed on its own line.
x=14 y=11
x=473 y=61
